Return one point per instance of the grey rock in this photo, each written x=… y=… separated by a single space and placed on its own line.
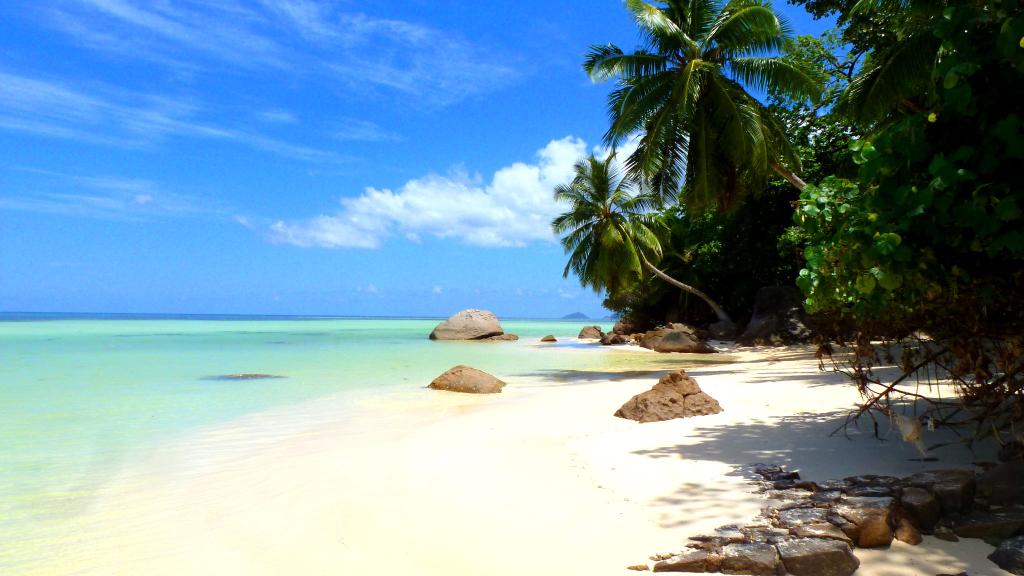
x=695 y=561
x=922 y=507
x=591 y=333
x=816 y=557
x=994 y=525
x=468 y=325
x=954 y=489
x=750 y=559
x=1004 y=484
x=800 y=516
x=1010 y=555
x=778 y=318
x=822 y=530
x=467 y=380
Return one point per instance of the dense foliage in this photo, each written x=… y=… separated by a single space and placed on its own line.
x=928 y=240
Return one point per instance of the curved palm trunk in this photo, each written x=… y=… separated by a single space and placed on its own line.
x=789 y=175
x=722 y=316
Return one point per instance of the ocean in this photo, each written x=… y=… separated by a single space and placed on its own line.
x=82 y=397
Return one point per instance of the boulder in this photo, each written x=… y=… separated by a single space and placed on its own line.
x=549 y=338
x=954 y=489
x=873 y=518
x=752 y=559
x=693 y=561
x=667 y=340
x=907 y=533
x=467 y=379
x=1010 y=555
x=591 y=333
x=1002 y=485
x=816 y=557
x=612 y=339
x=468 y=325
x=922 y=508
x=627 y=326
x=992 y=526
x=674 y=396
x=778 y=318
x=723 y=330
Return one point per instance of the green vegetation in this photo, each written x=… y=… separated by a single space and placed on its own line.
x=905 y=120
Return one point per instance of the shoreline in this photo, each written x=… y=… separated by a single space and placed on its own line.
x=540 y=479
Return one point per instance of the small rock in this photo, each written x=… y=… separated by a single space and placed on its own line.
x=907 y=533
x=750 y=559
x=591 y=333
x=945 y=533
x=873 y=518
x=638 y=567
x=827 y=497
x=613 y=339
x=922 y=507
x=815 y=557
x=468 y=380
x=549 y=338
x=696 y=561
x=1010 y=555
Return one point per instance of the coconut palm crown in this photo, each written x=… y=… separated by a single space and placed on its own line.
x=610 y=231
x=683 y=94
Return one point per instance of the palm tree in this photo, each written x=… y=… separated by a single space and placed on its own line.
x=609 y=231
x=684 y=95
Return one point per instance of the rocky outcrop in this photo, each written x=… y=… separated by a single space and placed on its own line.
x=468 y=380
x=674 y=396
x=468 y=325
x=612 y=339
x=549 y=338
x=591 y=333
x=679 y=339
x=778 y=318
x=1010 y=555
x=810 y=528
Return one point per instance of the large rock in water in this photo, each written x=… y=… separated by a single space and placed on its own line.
x=591 y=333
x=467 y=379
x=468 y=325
x=778 y=318
x=674 y=396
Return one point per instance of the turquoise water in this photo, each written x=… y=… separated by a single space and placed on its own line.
x=81 y=398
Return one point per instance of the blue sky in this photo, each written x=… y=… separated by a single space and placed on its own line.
x=295 y=156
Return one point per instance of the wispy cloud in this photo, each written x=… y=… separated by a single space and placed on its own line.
x=278 y=117
x=364 y=131
x=109 y=115
x=105 y=197
x=514 y=208
x=428 y=66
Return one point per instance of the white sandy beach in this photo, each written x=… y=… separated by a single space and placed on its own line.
x=540 y=479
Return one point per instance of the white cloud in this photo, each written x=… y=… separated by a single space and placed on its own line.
x=438 y=290
x=278 y=117
x=514 y=208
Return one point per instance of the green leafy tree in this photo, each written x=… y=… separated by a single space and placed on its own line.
x=684 y=95
x=610 y=232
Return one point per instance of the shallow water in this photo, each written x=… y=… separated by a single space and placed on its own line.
x=82 y=398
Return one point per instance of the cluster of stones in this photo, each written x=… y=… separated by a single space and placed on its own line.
x=810 y=528
x=671 y=338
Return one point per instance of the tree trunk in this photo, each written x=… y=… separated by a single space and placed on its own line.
x=722 y=316
x=789 y=176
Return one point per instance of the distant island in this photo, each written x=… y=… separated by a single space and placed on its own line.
x=576 y=316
